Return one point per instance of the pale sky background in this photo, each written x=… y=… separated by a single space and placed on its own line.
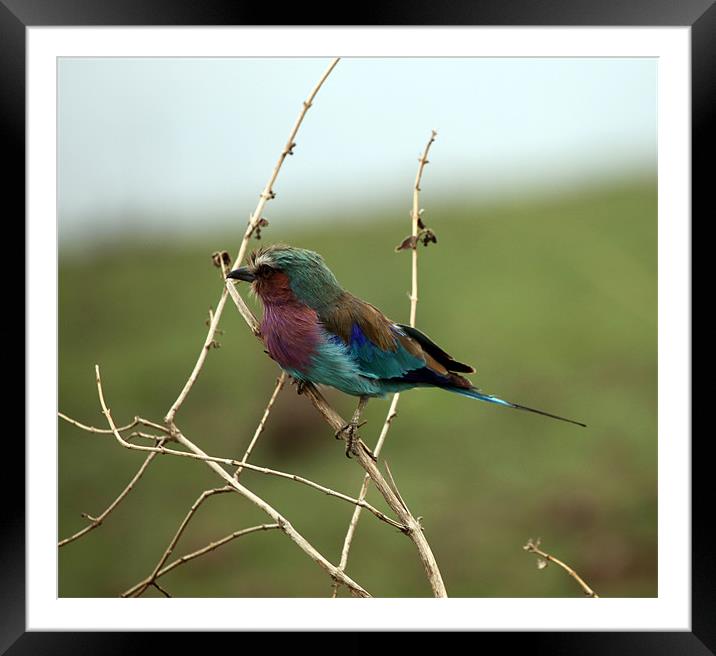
x=179 y=145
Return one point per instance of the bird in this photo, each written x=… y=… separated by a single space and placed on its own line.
x=320 y=333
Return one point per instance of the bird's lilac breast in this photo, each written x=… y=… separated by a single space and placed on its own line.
x=291 y=333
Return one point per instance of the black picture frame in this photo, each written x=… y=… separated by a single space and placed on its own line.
x=17 y=15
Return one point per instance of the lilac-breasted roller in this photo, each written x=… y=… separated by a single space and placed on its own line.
x=320 y=333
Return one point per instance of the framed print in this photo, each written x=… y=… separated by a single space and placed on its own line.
x=544 y=241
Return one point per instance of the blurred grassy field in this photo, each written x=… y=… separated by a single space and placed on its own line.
x=553 y=301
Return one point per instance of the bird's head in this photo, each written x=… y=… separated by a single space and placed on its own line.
x=281 y=273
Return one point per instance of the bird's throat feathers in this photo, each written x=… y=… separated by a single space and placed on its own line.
x=290 y=324
x=289 y=327
x=301 y=276
x=298 y=289
x=275 y=290
x=291 y=333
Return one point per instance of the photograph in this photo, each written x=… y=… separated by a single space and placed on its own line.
x=357 y=327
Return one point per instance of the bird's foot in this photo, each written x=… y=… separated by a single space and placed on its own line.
x=349 y=433
x=300 y=385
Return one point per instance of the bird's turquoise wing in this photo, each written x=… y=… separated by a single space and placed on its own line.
x=380 y=348
x=376 y=362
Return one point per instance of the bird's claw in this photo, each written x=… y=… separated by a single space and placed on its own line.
x=300 y=385
x=349 y=432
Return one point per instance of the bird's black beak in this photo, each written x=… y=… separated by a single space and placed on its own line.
x=242 y=273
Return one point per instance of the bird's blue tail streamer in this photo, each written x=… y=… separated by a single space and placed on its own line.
x=477 y=394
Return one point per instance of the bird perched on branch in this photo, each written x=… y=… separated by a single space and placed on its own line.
x=320 y=333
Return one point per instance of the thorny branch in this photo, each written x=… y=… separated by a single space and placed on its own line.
x=533 y=547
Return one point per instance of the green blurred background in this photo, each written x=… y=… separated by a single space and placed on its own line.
x=552 y=298
x=542 y=191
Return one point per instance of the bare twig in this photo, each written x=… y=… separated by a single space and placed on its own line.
x=280 y=382
x=97 y=521
x=208 y=342
x=161 y=589
x=138 y=589
x=243 y=309
x=146 y=436
x=392 y=410
x=200 y=552
x=254 y=220
x=533 y=547
x=137 y=421
x=348 y=540
x=394 y=486
x=196 y=452
x=286 y=526
x=333 y=493
x=415 y=216
x=412 y=527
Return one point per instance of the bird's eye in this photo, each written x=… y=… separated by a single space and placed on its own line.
x=264 y=271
